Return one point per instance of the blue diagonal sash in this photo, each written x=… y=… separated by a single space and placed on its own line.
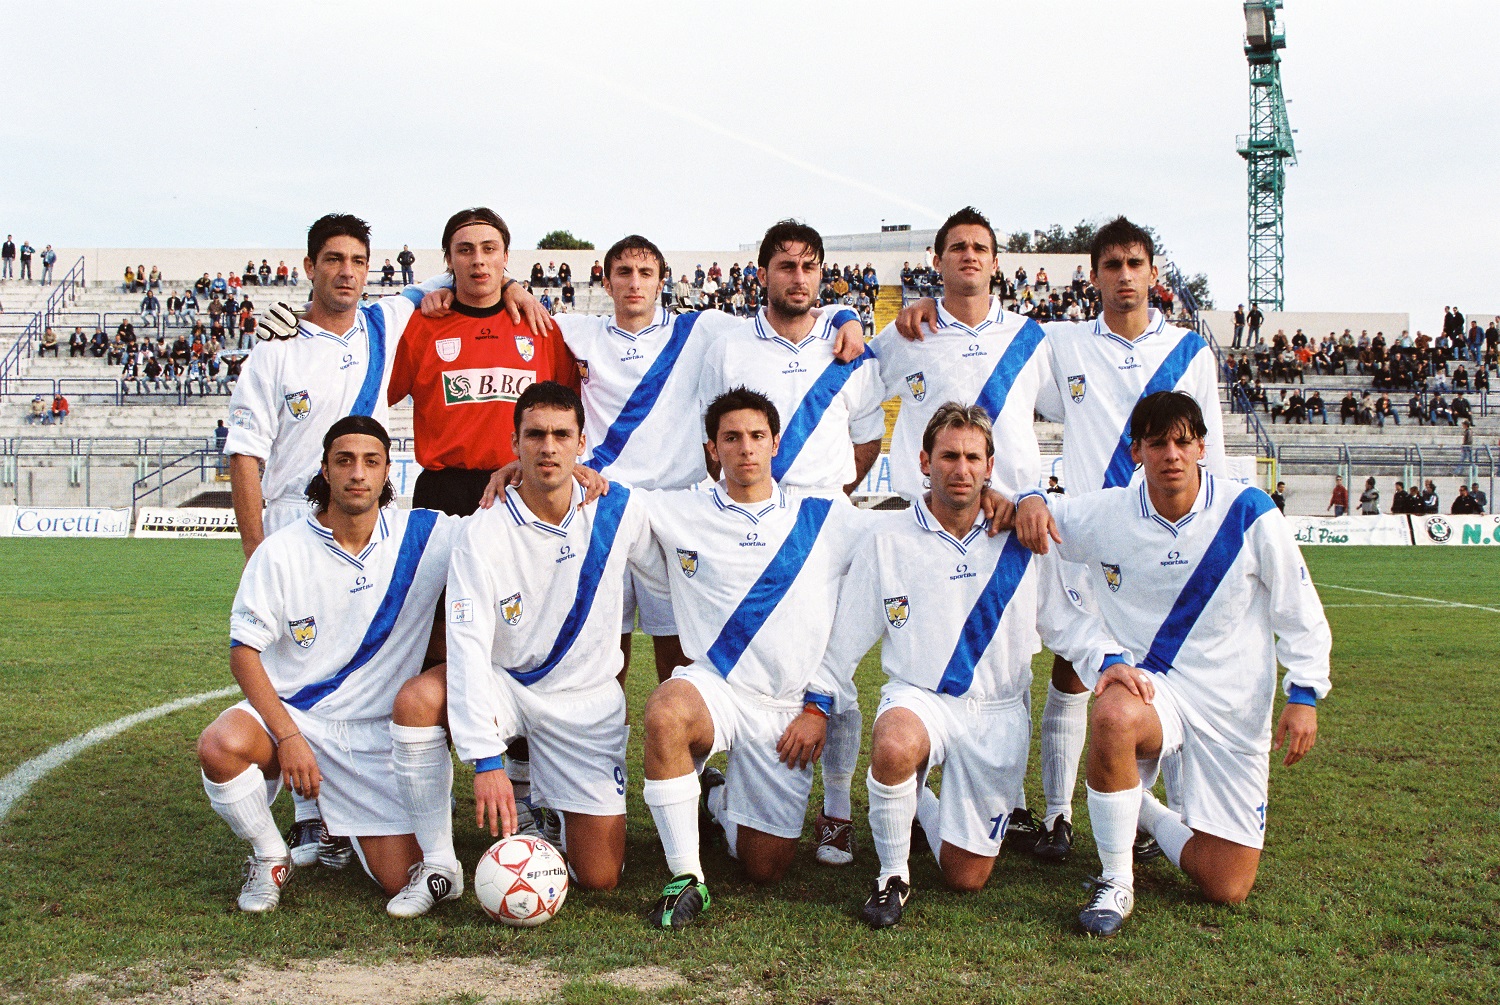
x=369 y=391
x=984 y=618
x=1012 y=361
x=777 y=577
x=810 y=411
x=1250 y=506
x=643 y=399
x=1164 y=379
x=413 y=544
x=607 y=513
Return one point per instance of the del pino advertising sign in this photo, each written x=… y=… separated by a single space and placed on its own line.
x=1456 y=530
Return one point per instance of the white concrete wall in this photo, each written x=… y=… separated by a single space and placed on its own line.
x=1314 y=324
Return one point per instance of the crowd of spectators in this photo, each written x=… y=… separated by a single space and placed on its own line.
x=25 y=253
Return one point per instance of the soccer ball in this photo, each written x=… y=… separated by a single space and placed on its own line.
x=521 y=880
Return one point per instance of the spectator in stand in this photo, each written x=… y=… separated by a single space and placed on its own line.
x=59 y=408
x=219 y=286
x=26 y=252
x=538 y=277
x=1366 y=416
x=1348 y=408
x=99 y=344
x=49 y=259
x=1461 y=410
x=38 y=412
x=1400 y=501
x=231 y=316
x=596 y=274
x=1414 y=410
x=546 y=301
x=8 y=257
x=1254 y=320
x=1296 y=409
x=1465 y=504
x=406 y=260
x=1385 y=410
x=1279 y=496
x=1279 y=408
x=201 y=285
x=1468 y=457
x=387 y=274
x=567 y=293
x=1369 y=499
x=129 y=285
x=282 y=273
x=150 y=310
x=699 y=275
x=683 y=293
x=234 y=283
x=49 y=344
x=551 y=278
x=248 y=324
x=1054 y=488
x=78 y=343
x=1316 y=407
x=295 y=280
x=174 y=309
x=564 y=274
x=1480 y=498
x=1339 y=501
x=1438 y=410
x=1429 y=498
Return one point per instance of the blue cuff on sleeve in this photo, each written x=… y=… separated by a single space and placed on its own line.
x=235 y=642
x=1111 y=660
x=489 y=763
x=1300 y=695
x=823 y=701
x=842 y=317
x=1030 y=492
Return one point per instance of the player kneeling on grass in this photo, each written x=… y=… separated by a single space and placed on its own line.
x=754 y=575
x=957 y=613
x=535 y=597
x=333 y=615
x=1204 y=577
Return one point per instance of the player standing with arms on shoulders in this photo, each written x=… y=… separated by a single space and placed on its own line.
x=957 y=614
x=332 y=616
x=754 y=577
x=535 y=591
x=1204 y=577
x=834 y=424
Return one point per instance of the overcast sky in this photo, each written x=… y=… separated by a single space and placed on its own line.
x=165 y=124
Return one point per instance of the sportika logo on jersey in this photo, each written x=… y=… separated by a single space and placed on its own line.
x=496 y=383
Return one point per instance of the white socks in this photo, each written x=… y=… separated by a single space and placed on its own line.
x=1065 y=725
x=519 y=773
x=840 y=755
x=307 y=809
x=674 y=807
x=241 y=801
x=927 y=813
x=1166 y=826
x=892 y=808
x=1113 y=816
x=424 y=777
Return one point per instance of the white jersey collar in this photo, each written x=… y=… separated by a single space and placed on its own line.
x=1155 y=322
x=1204 y=499
x=524 y=517
x=659 y=320
x=924 y=518
x=381 y=532
x=754 y=512
x=820 y=330
x=994 y=317
x=306 y=329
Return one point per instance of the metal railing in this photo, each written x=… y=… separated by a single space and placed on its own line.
x=1414 y=463
x=1239 y=402
x=64 y=292
x=1479 y=404
x=155 y=482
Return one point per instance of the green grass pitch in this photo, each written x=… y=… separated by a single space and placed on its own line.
x=1380 y=882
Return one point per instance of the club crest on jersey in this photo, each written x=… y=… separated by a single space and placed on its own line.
x=299 y=404
x=510 y=609
x=689 y=562
x=1077 y=387
x=1111 y=576
x=583 y=370
x=304 y=631
x=897 y=610
x=525 y=347
x=918 y=384
x=447 y=348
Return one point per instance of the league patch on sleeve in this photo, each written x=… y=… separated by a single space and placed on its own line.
x=460 y=612
x=242 y=418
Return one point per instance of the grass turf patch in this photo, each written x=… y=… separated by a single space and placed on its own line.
x=1379 y=883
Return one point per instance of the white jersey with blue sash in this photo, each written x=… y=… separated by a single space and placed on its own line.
x=640 y=394
x=292 y=390
x=754 y=587
x=825 y=406
x=1097 y=378
x=1212 y=601
x=339 y=634
x=956 y=616
x=999 y=364
x=538 y=601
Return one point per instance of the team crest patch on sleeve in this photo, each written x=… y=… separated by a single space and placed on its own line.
x=510 y=609
x=1111 y=576
x=918 y=384
x=461 y=612
x=689 y=562
x=897 y=610
x=304 y=631
x=1077 y=386
x=447 y=348
x=526 y=347
x=299 y=404
x=583 y=370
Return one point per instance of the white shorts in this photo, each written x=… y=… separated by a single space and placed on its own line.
x=983 y=747
x=655 y=613
x=358 y=796
x=577 y=741
x=759 y=792
x=284 y=513
x=1220 y=791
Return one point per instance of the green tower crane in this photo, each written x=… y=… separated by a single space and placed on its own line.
x=1268 y=150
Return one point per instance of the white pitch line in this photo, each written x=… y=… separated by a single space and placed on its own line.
x=1407 y=596
x=1329 y=607
x=16 y=784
